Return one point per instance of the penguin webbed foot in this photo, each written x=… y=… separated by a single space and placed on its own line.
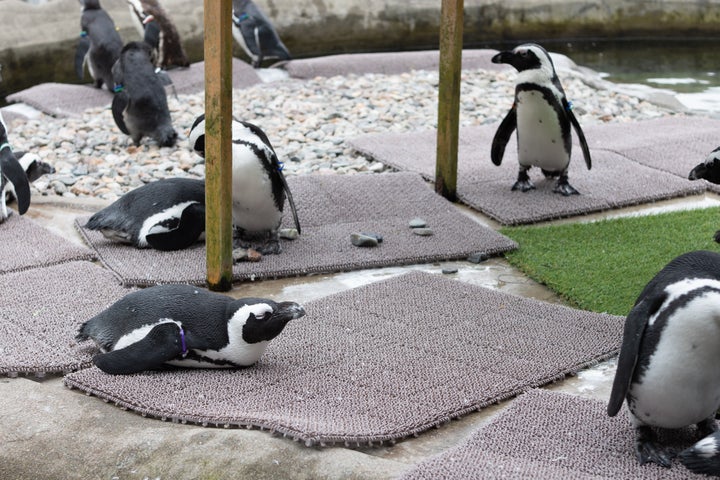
x=271 y=247
x=648 y=450
x=523 y=182
x=564 y=188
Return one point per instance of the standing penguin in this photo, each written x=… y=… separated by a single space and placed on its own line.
x=99 y=46
x=185 y=326
x=140 y=105
x=255 y=34
x=259 y=187
x=13 y=179
x=167 y=214
x=542 y=116
x=668 y=366
x=708 y=170
x=159 y=32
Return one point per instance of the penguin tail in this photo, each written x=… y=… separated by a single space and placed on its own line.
x=167 y=137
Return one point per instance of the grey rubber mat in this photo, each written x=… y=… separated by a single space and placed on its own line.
x=378 y=363
x=42 y=310
x=330 y=208
x=27 y=245
x=551 y=436
x=614 y=181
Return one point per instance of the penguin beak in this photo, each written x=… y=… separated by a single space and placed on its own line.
x=697 y=173
x=502 y=57
x=289 y=311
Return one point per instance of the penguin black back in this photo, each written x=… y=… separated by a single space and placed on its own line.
x=99 y=46
x=256 y=34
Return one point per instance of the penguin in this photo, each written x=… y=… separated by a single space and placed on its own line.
x=159 y=32
x=184 y=326
x=13 y=179
x=259 y=187
x=255 y=34
x=704 y=456
x=34 y=168
x=167 y=214
x=99 y=46
x=708 y=170
x=542 y=116
x=140 y=105
x=667 y=369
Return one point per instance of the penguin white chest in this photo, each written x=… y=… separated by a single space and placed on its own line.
x=539 y=136
x=681 y=385
x=253 y=207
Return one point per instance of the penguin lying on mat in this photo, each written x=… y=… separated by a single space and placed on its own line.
x=542 y=116
x=255 y=34
x=668 y=367
x=708 y=170
x=259 y=187
x=99 y=46
x=140 y=105
x=13 y=179
x=185 y=326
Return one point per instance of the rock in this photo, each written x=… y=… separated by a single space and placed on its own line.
x=477 y=257
x=423 y=232
x=246 y=255
x=417 y=223
x=449 y=270
x=360 y=240
x=288 y=233
x=376 y=236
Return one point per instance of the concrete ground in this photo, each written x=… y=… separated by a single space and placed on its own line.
x=48 y=431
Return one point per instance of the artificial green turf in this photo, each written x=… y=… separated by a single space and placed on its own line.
x=602 y=266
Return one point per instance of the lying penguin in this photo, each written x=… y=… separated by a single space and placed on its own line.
x=13 y=179
x=542 y=116
x=259 y=187
x=667 y=370
x=167 y=214
x=140 y=105
x=99 y=46
x=708 y=170
x=255 y=34
x=34 y=168
x=159 y=32
x=184 y=326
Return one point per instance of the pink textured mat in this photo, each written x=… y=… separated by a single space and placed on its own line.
x=378 y=363
x=614 y=181
x=330 y=209
x=27 y=245
x=551 y=436
x=42 y=310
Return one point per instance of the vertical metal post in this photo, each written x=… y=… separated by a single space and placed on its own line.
x=218 y=132
x=451 y=33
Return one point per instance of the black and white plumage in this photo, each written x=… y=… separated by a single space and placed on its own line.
x=13 y=179
x=99 y=46
x=259 y=187
x=158 y=31
x=704 y=456
x=256 y=34
x=140 y=105
x=708 y=170
x=167 y=214
x=542 y=116
x=667 y=369
x=186 y=326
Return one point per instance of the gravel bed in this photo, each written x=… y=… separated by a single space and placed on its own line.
x=307 y=121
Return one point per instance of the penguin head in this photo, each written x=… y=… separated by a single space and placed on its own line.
x=90 y=4
x=529 y=56
x=265 y=319
x=197 y=135
x=709 y=169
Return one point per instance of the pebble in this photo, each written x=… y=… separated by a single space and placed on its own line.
x=246 y=255
x=376 y=236
x=307 y=122
x=288 y=233
x=423 y=232
x=418 y=223
x=449 y=270
x=477 y=257
x=361 y=240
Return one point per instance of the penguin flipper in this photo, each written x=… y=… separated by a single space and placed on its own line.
x=80 y=53
x=183 y=233
x=633 y=332
x=119 y=104
x=163 y=343
x=152 y=34
x=579 y=132
x=502 y=136
x=15 y=174
x=290 y=200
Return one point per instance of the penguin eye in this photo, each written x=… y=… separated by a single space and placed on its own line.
x=524 y=53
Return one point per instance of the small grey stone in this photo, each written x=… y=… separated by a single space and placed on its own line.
x=423 y=232
x=477 y=257
x=360 y=240
x=418 y=223
x=449 y=270
x=288 y=233
x=376 y=236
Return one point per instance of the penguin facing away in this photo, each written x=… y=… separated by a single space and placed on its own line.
x=13 y=179
x=259 y=187
x=185 y=326
x=158 y=31
x=255 y=33
x=99 y=46
x=708 y=170
x=167 y=214
x=667 y=370
x=542 y=116
x=140 y=105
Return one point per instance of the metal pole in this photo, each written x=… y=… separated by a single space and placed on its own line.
x=218 y=132
x=451 y=33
